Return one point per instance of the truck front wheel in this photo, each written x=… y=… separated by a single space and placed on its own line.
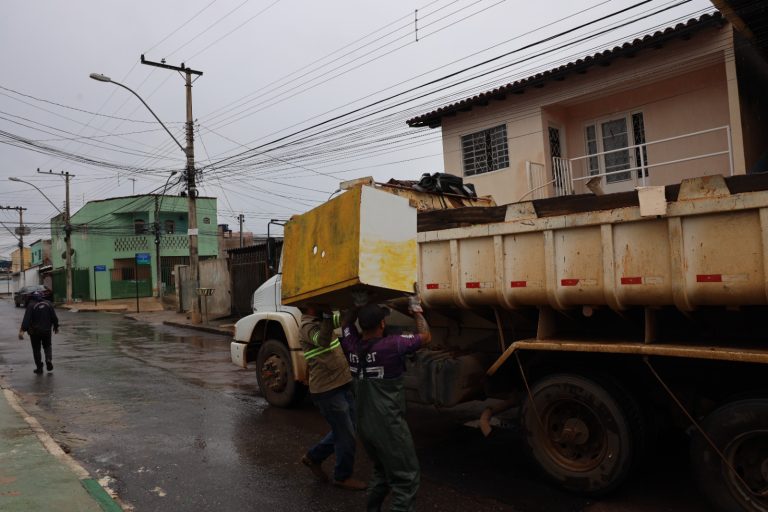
x=579 y=433
x=740 y=431
x=274 y=374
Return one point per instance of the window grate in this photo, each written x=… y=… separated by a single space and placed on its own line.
x=485 y=151
x=555 y=149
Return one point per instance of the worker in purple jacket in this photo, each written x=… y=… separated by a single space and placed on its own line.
x=377 y=363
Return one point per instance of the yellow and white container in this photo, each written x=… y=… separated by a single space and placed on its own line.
x=363 y=239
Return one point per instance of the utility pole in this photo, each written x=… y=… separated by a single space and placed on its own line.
x=241 y=218
x=157 y=248
x=21 y=239
x=192 y=230
x=133 y=186
x=67 y=230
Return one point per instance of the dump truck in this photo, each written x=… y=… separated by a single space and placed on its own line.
x=604 y=319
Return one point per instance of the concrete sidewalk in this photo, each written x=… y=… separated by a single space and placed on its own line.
x=224 y=327
x=36 y=474
x=151 y=311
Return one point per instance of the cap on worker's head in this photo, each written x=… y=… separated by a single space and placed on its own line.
x=371 y=315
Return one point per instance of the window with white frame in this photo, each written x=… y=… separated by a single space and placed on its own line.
x=485 y=151
x=611 y=141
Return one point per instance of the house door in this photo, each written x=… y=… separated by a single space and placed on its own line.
x=561 y=178
x=610 y=140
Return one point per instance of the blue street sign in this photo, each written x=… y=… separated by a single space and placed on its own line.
x=99 y=268
x=143 y=258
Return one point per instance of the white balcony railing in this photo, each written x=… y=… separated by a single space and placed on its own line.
x=564 y=182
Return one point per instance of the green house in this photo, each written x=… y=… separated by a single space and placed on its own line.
x=114 y=245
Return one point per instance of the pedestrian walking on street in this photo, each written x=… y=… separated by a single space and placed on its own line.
x=377 y=363
x=39 y=319
x=331 y=391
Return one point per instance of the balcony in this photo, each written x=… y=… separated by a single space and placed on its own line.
x=659 y=162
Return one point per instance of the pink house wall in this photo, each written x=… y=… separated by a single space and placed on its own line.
x=683 y=104
x=685 y=86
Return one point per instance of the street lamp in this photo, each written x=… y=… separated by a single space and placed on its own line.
x=67 y=235
x=103 y=78
x=192 y=231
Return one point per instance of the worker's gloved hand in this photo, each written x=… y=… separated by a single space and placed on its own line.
x=21 y=335
x=414 y=304
x=359 y=298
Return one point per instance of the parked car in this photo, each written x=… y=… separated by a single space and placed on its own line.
x=21 y=297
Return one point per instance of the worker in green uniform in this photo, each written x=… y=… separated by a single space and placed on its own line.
x=377 y=363
x=329 y=385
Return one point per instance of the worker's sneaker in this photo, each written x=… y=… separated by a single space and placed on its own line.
x=49 y=366
x=39 y=370
x=350 y=484
x=316 y=468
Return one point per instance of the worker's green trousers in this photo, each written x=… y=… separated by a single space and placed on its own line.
x=384 y=433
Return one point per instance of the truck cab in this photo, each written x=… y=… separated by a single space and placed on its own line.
x=269 y=337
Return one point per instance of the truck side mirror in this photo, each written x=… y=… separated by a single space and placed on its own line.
x=271 y=256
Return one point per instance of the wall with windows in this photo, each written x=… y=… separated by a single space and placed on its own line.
x=524 y=143
x=684 y=86
x=106 y=233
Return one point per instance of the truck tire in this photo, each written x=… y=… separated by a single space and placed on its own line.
x=274 y=374
x=581 y=433
x=740 y=431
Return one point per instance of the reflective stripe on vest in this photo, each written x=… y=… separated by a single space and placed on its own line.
x=309 y=354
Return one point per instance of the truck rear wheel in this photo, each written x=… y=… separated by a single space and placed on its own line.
x=740 y=431
x=274 y=374
x=581 y=434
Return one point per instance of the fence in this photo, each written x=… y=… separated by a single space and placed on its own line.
x=81 y=284
x=124 y=285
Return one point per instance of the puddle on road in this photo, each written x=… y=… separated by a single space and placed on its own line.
x=203 y=360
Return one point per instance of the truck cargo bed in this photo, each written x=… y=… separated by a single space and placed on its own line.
x=710 y=248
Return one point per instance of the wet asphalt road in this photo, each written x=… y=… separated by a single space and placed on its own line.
x=164 y=418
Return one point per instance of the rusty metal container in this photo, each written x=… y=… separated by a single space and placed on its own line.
x=710 y=247
x=364 y=238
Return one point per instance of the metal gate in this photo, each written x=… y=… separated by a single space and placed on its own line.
x=248 y=269
x=167 y=264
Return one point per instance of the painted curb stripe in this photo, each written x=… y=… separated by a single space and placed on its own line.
x=101 y=496
x=54 y=449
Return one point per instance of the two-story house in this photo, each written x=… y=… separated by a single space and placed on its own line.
x=41 y=253
x=113 y=234
x=686 y=101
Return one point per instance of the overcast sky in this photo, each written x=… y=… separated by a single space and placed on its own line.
x=271 y=68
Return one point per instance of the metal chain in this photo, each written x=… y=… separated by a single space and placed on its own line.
x=701 y=431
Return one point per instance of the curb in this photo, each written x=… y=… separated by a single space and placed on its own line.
x=92 y=486
x=213 y=330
